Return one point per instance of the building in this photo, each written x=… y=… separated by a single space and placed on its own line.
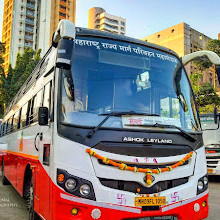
x=51 y=12
x=184 y=40
x=98 y=19
x=31 y=23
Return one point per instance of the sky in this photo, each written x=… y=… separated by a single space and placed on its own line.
x=145 y=17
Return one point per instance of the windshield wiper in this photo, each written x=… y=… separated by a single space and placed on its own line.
x=157 y=125
x=117 y=114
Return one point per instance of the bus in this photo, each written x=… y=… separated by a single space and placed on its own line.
x=106 y=127
x=211 y=138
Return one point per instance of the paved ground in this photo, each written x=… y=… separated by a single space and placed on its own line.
x=13 y=207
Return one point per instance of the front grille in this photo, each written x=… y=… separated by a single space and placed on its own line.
x=132 y=186
x=212 y=161
x=144 y=166
x=155 y=218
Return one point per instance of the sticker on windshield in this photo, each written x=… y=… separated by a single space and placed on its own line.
x=136 y=121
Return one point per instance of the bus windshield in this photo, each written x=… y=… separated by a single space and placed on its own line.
x=210 y=137
x=114 y=76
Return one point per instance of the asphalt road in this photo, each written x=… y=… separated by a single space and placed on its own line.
x=13 y=207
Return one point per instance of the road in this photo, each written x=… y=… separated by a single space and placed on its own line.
x=13 y=207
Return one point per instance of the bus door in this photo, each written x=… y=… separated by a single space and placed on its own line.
x=45 y=144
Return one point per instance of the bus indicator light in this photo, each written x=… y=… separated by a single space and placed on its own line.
x=60 y=177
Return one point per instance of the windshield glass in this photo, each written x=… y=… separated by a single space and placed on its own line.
x=210 y=137
x=114 y=76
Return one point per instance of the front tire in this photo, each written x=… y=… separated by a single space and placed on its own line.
x=30 y=200
x=4 y=179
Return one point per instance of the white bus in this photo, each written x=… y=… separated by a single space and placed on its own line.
x=211 y=137
x=106 y=127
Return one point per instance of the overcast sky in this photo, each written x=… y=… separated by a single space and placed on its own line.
x=145 y=17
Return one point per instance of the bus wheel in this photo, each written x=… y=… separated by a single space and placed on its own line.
x=4 y=179
x=30 y=201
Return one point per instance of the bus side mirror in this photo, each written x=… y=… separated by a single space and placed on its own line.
x=216 y=116
x=64 y=53
x=43 y=114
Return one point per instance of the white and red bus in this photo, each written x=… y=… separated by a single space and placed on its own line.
x=106 y=127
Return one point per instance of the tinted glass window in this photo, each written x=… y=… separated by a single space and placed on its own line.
x=47 y=95
x=24 y=115
x=36 y=103
x=15 y=121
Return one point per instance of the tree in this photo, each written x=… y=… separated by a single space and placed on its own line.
x=206 y=96
x=25 y=64
x=10 y=84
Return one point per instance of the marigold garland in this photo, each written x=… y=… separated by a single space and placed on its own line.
x=148 y=172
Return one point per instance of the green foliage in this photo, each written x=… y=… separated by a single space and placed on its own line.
x=194 y=78
x=212 y=45
x=206 y=109
x=206 y=96
x=10 y=84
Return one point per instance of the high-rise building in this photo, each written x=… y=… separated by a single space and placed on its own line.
x=98 y=19
x=19 y=28
x=184 y=40
x=51 y=12
x=31 y=23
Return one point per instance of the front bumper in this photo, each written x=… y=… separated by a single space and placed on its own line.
x=63 y=204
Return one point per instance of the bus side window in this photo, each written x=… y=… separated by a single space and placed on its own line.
x=12 y=124
x=47 y=96
x=6 y=127
x=15 y=121
x=19 y=119
x=28 y=112
x=24 y=115
x=36 y=103
x=2 y=129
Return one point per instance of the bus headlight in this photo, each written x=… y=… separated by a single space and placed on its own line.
x=200 y=185
x=75 y=185
x=206 y=180
x=70 y=184
x=85 y=190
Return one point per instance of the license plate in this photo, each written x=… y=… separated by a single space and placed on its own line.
x=150 y=201
x=210 y=170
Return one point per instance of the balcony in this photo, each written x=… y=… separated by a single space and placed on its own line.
x=28 y=29
x=30 y=13
x=28 y=37
x=28 y=45
x=30 y=22
x=31 y=6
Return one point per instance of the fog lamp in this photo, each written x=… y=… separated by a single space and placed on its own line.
x=196 y=207
x=96 y=213
x=74 y=211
